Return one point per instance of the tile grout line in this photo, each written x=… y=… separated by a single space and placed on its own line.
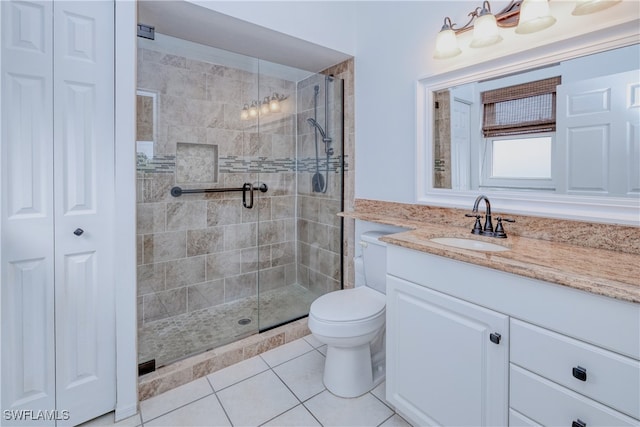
x=179 y=407
x=219 y=401
x=300 y=402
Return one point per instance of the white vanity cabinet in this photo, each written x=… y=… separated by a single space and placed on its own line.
x=564 y=357
x=446 y=370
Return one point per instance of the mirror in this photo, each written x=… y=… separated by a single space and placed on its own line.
x=146 y=113
x=587 y=149
x=588 y=167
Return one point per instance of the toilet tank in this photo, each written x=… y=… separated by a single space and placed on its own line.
x=374 y=259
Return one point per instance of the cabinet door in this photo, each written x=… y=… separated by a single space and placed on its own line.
x=442 y=367
x=84 y=204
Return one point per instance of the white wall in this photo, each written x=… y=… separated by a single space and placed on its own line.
x=326 y=23
x=393 y=49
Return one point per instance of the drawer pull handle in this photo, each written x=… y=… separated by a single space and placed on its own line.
x=580 y=373
x=578 y=423
x=495 y=338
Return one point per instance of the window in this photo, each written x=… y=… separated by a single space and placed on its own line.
x=518 y=125
x=521 y=158
x=521 y=109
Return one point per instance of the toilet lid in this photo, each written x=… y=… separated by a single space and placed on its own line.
x=348 y=305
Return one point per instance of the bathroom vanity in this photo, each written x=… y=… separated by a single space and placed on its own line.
x=471 y=343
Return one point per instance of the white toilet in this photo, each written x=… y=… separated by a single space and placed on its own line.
x=351 y=322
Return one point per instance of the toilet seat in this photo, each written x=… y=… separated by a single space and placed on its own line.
x=348 y=305
x=347 y=313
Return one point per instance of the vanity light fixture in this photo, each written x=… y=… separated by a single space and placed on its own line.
x=270 y=104
x=264 y=107
x=585 y=7
x=534 y=16
x=527 y=16
x=446 y=43
x=253 y=110
x=485 y=29
x=244 y=114
x=274 y=103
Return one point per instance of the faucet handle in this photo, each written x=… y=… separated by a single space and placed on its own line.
x=477 y=227
x=500 y=233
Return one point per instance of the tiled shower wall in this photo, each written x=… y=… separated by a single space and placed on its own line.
x=319 y=227
x=199 y=251
x=345 y=72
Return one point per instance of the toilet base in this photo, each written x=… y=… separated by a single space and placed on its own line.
x=348 y=372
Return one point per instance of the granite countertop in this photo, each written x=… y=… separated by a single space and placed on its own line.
x=599 y=271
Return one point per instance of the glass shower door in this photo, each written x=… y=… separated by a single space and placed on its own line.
x=299 y=232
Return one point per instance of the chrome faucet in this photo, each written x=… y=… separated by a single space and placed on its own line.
x=487 y=230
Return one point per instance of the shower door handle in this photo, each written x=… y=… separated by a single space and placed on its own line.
x=247 y=187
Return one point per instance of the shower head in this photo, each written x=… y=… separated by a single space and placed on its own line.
x=315 y=124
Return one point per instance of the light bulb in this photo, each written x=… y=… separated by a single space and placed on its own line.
x=446 y=42
x=534 y=16
x=244 y=114
x=253 y=110
x=274 y=104
x=485 y=29
x=264 y=107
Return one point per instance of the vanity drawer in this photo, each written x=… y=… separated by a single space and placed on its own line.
x=516 y=419
x=608 y=378
x=550 y=404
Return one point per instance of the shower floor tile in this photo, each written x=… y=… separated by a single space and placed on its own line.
x=175 y=338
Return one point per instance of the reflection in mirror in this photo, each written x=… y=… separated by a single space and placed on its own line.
x=145 y=125
x=568 y=128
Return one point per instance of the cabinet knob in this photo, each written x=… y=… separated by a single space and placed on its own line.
x=578 y=423
x=580 y=373
x=78 y=231
x=495 y=338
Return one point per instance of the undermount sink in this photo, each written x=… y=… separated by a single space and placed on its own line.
x=476 y=245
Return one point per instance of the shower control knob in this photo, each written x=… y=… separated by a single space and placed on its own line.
x=78 y=232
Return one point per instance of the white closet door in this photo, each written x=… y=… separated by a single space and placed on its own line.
x=26 y=199
x=84 y=206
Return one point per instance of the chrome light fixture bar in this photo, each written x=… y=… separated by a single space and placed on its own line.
x=528 y=16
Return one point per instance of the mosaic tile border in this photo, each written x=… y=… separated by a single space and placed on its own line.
x=157 y=164
x=238 y=164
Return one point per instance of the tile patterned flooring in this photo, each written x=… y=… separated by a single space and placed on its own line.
x=177 y=337
x=282 y=387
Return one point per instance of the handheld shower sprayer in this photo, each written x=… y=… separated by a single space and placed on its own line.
x=315 y=124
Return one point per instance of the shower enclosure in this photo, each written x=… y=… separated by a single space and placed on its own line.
x=249 y=236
